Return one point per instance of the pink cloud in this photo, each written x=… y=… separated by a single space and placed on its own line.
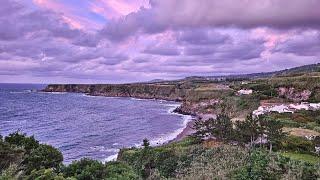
x=272 y=38
x=112 y=9
x=68 y=15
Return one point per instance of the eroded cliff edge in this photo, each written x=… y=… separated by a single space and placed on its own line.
x=173 y=92
x=196 y=95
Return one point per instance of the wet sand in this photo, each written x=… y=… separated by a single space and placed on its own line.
x=186 y=131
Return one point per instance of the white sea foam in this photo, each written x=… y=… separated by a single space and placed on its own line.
x=91 y=96
x=165 y=138
x=111 y=158
x=20 y=92
x=104 y=149
x=139 y=99
x=162 y=139
x=172 y=108
x=86 y=95
x=53 y=92
x=170 y=136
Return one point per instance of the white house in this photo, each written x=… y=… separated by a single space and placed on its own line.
x=245 y=91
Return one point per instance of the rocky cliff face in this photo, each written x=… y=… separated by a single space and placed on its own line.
x=145 y=91
x=293 y=94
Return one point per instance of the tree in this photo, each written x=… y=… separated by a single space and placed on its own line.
x=146 y=143
x=44 y=174
x=274 y=132
x=119 y=170
x=85 y=169
x=45 y=156
x=21 y=140
x=222 y=127
x=248 y=130
x=202 y=129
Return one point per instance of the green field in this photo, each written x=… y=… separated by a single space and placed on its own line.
x=302 y=157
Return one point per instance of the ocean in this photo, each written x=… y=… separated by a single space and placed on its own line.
x=87 y=126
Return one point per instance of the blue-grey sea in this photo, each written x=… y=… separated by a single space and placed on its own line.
x=86 y=126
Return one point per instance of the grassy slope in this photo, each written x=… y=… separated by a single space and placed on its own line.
x=302 y=157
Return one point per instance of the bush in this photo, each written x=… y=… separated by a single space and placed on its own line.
x=213 y=163
x=262 y=165
x=10 y=155
x=257 y=167
x=44 y=174
x=85 y=169
x=289 y=123
x=21 y=140
x=317 y=120
x=146 y=161
x=297 y=144
x=119 y=170
x=43 y=157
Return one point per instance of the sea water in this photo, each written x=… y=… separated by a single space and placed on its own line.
x=86 y=126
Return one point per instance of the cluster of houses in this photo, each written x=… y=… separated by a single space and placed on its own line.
x=245 y=92
x=289 y=108
x=286 y=108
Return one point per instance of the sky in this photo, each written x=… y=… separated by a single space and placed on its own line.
x=118 y=41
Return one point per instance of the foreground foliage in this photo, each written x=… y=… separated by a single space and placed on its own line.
x=23 y=157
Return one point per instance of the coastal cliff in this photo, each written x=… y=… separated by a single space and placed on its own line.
x=197 y=96
x=145 y=91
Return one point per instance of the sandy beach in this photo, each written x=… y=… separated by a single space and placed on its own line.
x=186 y=131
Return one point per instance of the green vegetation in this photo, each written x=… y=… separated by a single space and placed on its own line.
x=221 y=128
x=251 y=148
x=297 y=144
x=302 y=157
x=302 y=118
x=23 y=157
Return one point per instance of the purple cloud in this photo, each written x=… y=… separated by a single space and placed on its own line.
x=305 y=44
x=54 y=42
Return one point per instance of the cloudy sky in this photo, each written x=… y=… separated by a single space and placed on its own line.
x=116 y=41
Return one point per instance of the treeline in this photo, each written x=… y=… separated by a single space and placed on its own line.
x=244 y=132
x=254 y=131
x=23 y=157
x=237 y=153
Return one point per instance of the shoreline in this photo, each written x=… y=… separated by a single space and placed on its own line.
x=177 y=135
x=185 y=131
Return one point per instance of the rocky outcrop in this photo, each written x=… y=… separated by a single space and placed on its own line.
x=293 y=94
x=203 y=109
x=145 y=91
x=186 y=108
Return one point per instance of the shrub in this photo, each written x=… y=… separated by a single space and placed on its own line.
x=262 y=165
x=317 y=120
x=297 y=144
x=21 y=140
x=312 y=125
x=257 y=167
x=147 y=160
x=10 y=155
x=85 y=169
x=119 y=170
x=213 y=163
x=289 y=123
x=43 y=157
x=44 y=174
